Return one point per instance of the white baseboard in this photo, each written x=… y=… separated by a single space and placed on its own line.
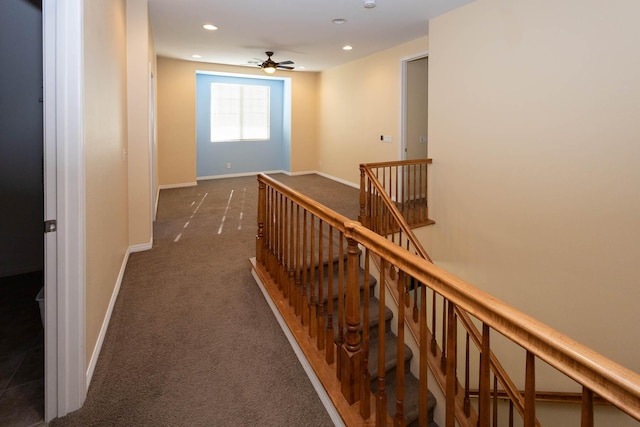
x=300 y=173
x=236 y=175
x=315 y=381
x=180 y=185
x=141 y=247
x=340 y=180
x=105 y=323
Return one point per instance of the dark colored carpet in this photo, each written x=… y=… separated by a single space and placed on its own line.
x=191 y=340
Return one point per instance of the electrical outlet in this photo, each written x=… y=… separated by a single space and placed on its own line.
x=228 y=165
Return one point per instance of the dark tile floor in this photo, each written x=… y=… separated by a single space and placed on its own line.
x=21 y=352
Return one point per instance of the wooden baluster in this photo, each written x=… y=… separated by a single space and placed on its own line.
x=416 y=311
x=290 y=258
x=320 y=320
x=271 y=221
x=419 y=215
x=398 y=200
x=352 y=347
x=530 y=391
x=279 y=244
x=369 y=223
x=298 y=260
x=452 y=328
x=285 y=247
x=381 y=395
x=272 y=235
x=495 y=401
x=385 y=217
x=403 y=199
x=330 y=353
x=365 y=408
x=426 y=191
x=423 y=398
x=362 y=217
x=341 y=289
x=467 y=399
x=434 y=342
x=261 y=217
x=510 y=413
x=398 y=419
x=313 y=320
x=484 y=381
x=443 y=356
x=305 y=270
x=415 y=197
x=586 y=419
x=292 y=280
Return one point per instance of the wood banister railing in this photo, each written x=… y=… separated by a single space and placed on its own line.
x=300 y=245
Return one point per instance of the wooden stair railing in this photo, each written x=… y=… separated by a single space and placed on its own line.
x=296 y=240
x=379 y=182
x=596 y=374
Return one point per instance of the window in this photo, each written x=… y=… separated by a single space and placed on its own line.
x=239 y=112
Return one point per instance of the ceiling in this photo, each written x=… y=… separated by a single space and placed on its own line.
x=298 y=30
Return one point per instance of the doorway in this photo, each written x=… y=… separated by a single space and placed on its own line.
x=415 y=75
x=21 y=214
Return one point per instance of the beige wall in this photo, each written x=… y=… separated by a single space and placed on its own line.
x=139 y=132
x=360 y=101
x=534 y=130
x=177 y=117
x=105 y=136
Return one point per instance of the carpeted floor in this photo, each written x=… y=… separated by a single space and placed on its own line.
x=191 y=340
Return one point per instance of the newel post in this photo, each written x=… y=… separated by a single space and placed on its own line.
x=351 y=350
x=261 y=219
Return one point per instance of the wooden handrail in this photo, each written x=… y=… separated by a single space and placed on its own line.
x=397 y=216
x=290 y=255
x=493 y=363
x=613 y=382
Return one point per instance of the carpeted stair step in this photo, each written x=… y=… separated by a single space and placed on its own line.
x=411 y=398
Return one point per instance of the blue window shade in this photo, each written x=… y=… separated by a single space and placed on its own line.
x=244 y=156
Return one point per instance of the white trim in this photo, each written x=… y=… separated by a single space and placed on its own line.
x=141 y=247
x=340 y=180
x=300 y=173
x=65 y=351
x=105 y=323
x=181 y=185
x=237 y=175
x=315 y=382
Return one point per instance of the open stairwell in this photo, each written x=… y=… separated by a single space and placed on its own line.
x=390 y=341
x=317 y=268
x=313 y=297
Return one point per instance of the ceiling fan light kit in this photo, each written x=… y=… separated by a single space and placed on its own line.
x=269 y=66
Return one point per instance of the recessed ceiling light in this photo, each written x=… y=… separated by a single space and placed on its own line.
x=209 y=27
x=369 y=4
x=347 y=47
x=196 y=56
x=339 y=21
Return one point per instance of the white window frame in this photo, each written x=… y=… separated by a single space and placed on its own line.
x=241 y=110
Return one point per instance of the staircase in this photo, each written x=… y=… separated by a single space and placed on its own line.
x=411 y=384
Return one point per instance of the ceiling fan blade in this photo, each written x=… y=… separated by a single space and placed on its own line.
x=285 y=67
x=286 y=63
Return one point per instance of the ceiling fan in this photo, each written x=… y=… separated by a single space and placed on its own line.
x=269 y=65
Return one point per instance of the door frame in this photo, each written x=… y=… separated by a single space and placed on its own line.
x=403 y=101
x=64 y=184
